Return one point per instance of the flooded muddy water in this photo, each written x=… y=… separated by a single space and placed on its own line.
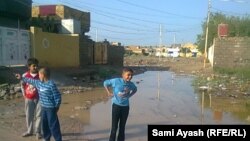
x=162 y=98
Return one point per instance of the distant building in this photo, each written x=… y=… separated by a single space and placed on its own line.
x=173 y=52
x=62 y=19
x=55 y=14
x=135 y=49
x=116 y=43
x=175 y=46
x=189 y=46
x=149 y=51
x=161 y=52
x=192 y=50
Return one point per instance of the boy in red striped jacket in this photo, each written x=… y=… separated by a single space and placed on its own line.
x=32 y=104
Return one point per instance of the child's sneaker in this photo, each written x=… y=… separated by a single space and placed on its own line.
x=38 y=136
x=26 y=134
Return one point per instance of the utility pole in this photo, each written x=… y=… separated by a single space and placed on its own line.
x=96 y=32
x=208 y=15
x=160 y=45
x=174 y=40
x=160 y=41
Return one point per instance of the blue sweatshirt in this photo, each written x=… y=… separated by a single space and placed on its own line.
x=122 y=90
x=49 y=95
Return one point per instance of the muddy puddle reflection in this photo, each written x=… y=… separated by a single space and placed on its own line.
x=175 y=102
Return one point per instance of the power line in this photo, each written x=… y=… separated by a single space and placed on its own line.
x=120 y=31
x=135 y=39
x=113 y=15
x=235 y=1
x=136 y=29
x=228 y=13
x=127 y=11
x=101 y=13
x=122 y=27
x=130 y=28
x=157 y=10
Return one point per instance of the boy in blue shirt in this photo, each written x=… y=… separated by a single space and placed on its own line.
x=50 y=99
x=120 y=89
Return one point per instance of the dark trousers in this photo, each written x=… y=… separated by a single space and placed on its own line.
x=50 y=124
x=119 y=116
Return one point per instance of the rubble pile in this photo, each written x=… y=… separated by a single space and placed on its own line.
x=9 y=91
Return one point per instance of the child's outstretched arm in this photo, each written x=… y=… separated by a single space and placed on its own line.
x=19 y=77
x=28 y=80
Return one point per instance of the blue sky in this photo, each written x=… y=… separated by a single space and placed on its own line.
x=150 y=22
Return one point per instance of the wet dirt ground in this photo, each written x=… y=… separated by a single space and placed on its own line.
x=174 y=103
x=163 y=97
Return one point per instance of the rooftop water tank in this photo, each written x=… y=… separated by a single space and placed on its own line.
x=223 y=30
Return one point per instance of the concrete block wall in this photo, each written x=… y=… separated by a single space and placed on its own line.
x=232 y=52
x=55 y=50
x=116 y=55
x=86 y=51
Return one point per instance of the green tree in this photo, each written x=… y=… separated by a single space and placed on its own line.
x=237 y=27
